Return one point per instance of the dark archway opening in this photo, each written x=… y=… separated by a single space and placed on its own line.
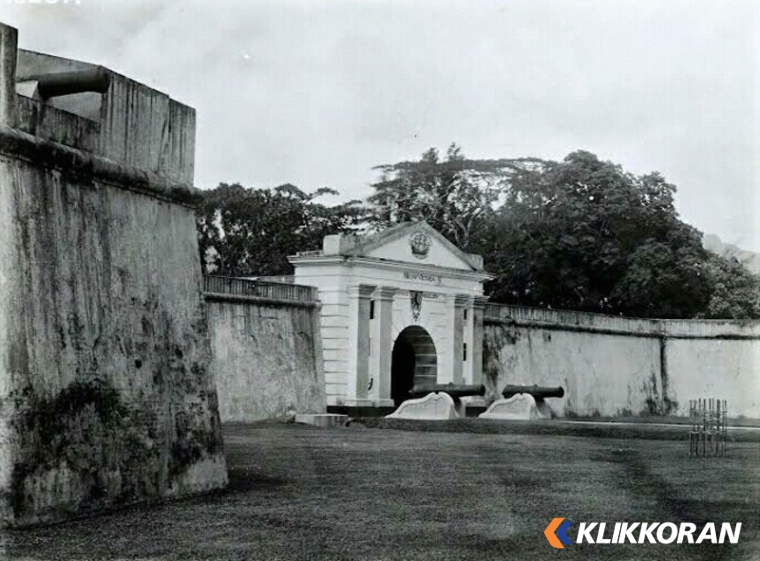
x=414 y=362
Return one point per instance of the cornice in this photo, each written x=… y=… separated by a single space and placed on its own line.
x=378 y=263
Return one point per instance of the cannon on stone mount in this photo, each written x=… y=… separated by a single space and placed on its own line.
x=538 y=392
x=458 y=391
x=447 y=401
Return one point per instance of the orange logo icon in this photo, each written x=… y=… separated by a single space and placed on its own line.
x=556 y=533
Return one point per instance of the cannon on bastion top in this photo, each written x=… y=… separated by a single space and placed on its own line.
x=57 y=84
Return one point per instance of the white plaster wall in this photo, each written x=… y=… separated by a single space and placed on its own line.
x=610 y=365
x=717 y=368
x=334 y=324
x=336 y=331
x=601 y=374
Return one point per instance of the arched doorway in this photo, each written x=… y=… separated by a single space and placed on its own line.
x=414 y=362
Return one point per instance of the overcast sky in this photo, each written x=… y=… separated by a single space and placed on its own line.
x=317 y=93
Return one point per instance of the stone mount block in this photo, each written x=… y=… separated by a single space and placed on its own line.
x=433 y=407
x=519 y=407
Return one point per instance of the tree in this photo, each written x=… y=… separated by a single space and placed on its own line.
x=734 y=290
x=453 y=194
x=251 y=232
x=583 y=234
x=662 y=282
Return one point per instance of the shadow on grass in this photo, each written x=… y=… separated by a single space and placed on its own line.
x=244 y=480
x=642 y=431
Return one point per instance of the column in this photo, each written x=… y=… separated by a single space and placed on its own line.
x=357 y=381
x=478 y=309
x=382 y=345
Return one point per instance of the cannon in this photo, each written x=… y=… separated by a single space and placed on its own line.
x=454 y=390
x=66 y=83
x=537 y=392
x=457 y=391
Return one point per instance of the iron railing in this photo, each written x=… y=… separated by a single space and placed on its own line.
x=213 y=284
x=493 y=311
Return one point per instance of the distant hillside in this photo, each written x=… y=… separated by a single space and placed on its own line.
x=750 y=259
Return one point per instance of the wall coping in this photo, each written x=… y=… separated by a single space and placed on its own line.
x=54 y=155
x=240 y=299
x=566 y=320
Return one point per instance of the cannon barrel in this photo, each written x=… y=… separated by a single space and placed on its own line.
x=454 y=390
x=537 y=392
x=65 y=83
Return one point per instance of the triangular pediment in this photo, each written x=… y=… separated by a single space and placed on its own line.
x=416 y=243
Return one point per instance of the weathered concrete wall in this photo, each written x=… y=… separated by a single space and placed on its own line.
x=136 y=125
x=10 y=305
x=106 y=397
x=266 y=357
x=47 y=122
x=619 y=366
x=146 y=128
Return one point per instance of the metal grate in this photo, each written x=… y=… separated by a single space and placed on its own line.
x=708 y=419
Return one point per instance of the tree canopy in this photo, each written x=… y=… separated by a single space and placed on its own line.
x=579 y=234
x=251 y=232
x=734 y=290
x=453 y=194
x=583 y=234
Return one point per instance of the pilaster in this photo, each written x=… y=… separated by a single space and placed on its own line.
x=454 y=353
x=382 y=345
x=357 y=382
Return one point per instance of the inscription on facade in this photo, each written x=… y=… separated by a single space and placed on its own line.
x=430 y=295
x=421 y=277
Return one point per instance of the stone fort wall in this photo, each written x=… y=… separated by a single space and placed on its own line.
x=106 y=397
x=267 y=356
x=614 y=366
x=266 y=349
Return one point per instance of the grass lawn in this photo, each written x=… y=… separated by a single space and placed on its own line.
x=299 y=492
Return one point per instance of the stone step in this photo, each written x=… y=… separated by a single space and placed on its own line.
x=325 y=420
